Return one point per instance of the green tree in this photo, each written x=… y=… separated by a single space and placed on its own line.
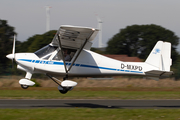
x=37 y=41
x=6 y=39
x=139 y=40
x=97 y=50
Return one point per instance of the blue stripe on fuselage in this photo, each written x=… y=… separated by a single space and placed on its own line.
x=78 y=65
x=26 y=60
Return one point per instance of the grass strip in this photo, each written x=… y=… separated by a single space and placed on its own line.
x=89 y=114
x=53 y=93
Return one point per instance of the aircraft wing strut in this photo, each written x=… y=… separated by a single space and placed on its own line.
x=73 y=37
x=60 y=46
x=79 y=52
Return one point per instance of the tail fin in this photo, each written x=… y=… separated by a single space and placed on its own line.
x=160 y=56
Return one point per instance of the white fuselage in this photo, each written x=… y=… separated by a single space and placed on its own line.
x=87 y=64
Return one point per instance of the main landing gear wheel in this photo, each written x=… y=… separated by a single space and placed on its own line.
x=65 y=85
x=24 y=86
x=64 y=90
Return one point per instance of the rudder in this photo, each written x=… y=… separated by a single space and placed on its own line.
x=166 y=56
x=160 y=56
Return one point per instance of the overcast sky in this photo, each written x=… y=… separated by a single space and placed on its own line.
x=29 y=16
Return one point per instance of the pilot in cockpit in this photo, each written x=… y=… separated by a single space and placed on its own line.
x=67 y=56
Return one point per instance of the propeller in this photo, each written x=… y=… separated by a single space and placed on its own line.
x=12 y=56
x=14 y=43
x=13 y=51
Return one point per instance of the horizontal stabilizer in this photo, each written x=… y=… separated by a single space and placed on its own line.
x=158 y=73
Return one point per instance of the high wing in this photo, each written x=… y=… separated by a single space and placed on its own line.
x=74 y=37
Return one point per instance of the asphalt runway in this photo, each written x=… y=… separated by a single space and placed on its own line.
x=109 y=104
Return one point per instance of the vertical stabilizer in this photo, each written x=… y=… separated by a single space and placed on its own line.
x=155 y=55
x=160 y=56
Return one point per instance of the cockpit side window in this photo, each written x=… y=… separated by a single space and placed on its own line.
x=58 y=56
x=67 y=53
x=45 y=51
x=47 y=57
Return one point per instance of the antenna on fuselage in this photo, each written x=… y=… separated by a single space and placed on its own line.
x=14 y=44
x=47 y=18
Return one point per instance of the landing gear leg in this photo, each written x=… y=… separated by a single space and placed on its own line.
x=65 y=78
x=61 y=89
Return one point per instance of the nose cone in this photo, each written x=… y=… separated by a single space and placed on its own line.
x=10 y=56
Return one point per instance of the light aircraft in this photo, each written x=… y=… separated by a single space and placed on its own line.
x=69 y=55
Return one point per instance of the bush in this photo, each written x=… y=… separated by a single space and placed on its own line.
x=36 y=83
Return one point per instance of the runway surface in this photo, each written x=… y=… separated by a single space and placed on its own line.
x=128 y=104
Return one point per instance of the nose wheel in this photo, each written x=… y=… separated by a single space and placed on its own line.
x=24 y=86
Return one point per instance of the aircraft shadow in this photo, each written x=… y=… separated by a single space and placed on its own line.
x=90 y=105
x=76 y=105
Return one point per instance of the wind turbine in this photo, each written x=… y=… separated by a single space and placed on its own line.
x=47 y=18
x=100 y=30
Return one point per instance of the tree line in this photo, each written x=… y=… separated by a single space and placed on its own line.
x=134 y=40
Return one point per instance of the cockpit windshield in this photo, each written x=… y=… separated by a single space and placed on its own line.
x=45 y=51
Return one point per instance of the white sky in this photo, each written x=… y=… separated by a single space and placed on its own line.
x=29 y=16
